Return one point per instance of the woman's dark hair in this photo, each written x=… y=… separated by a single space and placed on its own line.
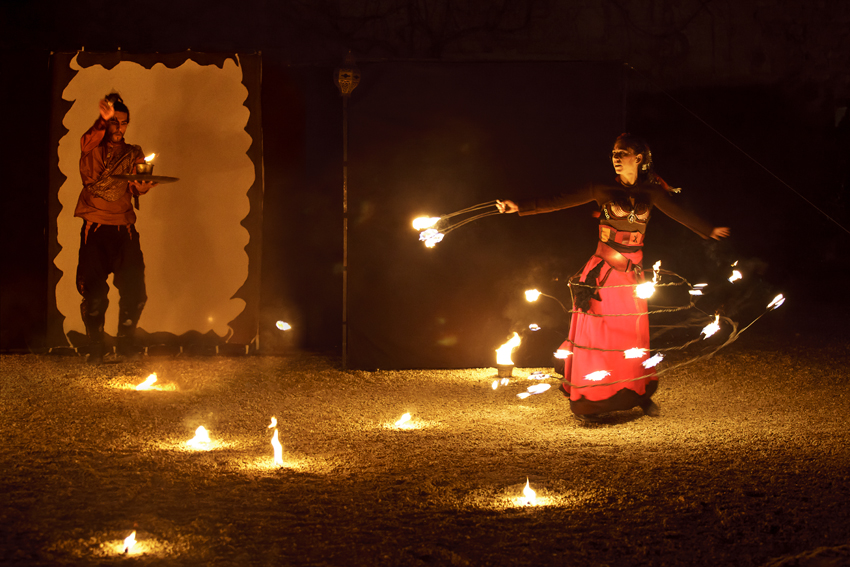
x=118 y=103
x=646 y=170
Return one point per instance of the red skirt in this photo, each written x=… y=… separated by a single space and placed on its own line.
x=598 y=344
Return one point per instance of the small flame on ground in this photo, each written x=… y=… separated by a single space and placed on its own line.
x=539 y=388
x=532 y=295
x=503 y=353
x=129 y=542
x=422 y=223
x=534 y=327
x=201 y=438
x=404 y=419
x=146 y=385
x=777 y=301
x=273 y=423
x=736 y=275
x=712 y=328
x=597 y=376
x=278 y=450
x=283 y=326
x=150 y=158
x=635 y=352
x=528 y=492
x=653 y=360
x=562 y=353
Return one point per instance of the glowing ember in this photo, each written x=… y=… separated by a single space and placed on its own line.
x=129 y=542
x=736 y=275
x=146 y=385
x=539 y=388
x=635 y=353
x=283 y=326
x=537 y=376
x=278 y=450
x=652 y=361
x=712 y=328
x=597 y=376
x=404 y=419
x=562 y=353
x=523 y=395
x=530 y=495
x=503 y=353
x=532 y=295
x=273 y=423
x=150 y=158
x=422 y=223
x=777 y=301
x=201 y=439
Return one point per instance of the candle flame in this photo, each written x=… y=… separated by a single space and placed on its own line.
x=422 y=223
x=528 y=492
x=283 y=325
x=278 y=450
x=562 y=353
x=201 y=438
x=503 y=353
x=653 y=360
x=635 y=352
x=273 y=423
x=712 y=328
x=404 y=419
x=146 y=385
x=150 y=158
x=129 y=542
x=777 y=301
x=532 y=295
x=597 y=376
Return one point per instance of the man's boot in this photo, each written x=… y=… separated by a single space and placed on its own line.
x=125 y=345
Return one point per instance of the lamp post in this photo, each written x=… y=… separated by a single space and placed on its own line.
x=346 y=78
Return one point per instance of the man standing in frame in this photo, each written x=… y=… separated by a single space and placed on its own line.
x=109 y=242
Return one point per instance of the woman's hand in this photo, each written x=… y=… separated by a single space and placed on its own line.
x=507 y=206
x=719 y=232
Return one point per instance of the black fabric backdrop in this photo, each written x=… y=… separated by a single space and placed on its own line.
x=430 y=139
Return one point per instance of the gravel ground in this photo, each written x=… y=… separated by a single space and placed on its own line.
x=748 y=465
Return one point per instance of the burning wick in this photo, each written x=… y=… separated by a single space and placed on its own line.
x=278 y=450
x=146 y=385
x=530 y=495
x=532 y=295
x=129 y=542
x=652 y=361
x=422 y=223
x=777 y=301
x=150 y=158
x=404 y=419
x=597 y=376
x=646 y=289
x=635 y=353
x=712 y=328
x=283 y=325
x=201 y=438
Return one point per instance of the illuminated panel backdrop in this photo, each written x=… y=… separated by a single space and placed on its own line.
x=201 y=235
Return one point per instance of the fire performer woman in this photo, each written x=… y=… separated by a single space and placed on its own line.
x=109 y=242
x=608 y=318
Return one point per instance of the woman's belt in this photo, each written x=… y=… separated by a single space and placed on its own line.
x=624 y=237
x=615 y=259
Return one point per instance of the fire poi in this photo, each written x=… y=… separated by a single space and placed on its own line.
x=434 y=229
